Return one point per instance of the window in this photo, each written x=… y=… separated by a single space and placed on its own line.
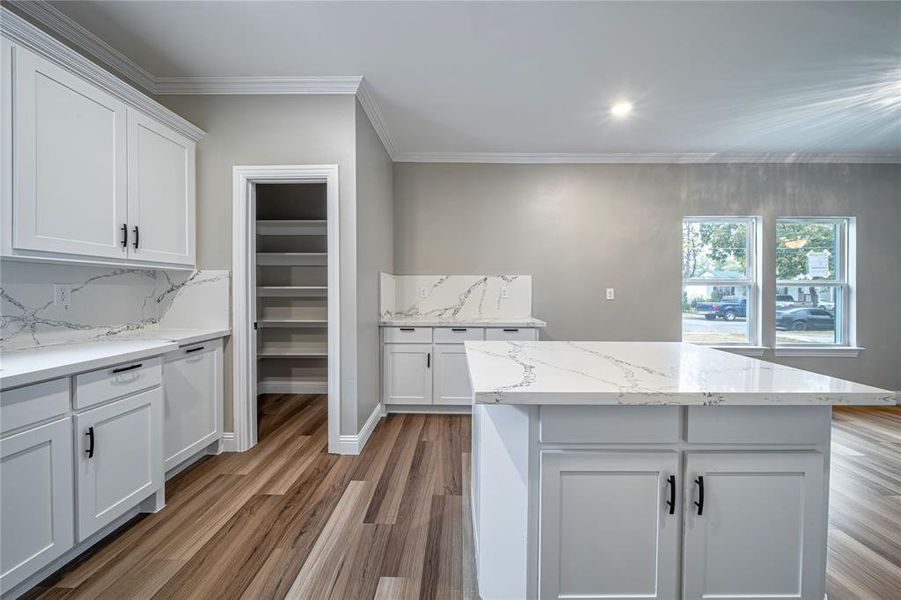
x=812 y=282
x=719 y=280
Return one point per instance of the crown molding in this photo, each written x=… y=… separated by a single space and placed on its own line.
x=59 y=23
x=647 y=158
x=17 y=29
x=201 y=86
x=371 y=108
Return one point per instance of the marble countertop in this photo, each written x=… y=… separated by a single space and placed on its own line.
x=462 y=322
x=647 y=373
x=23 y=367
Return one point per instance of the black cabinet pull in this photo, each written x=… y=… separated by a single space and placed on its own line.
x=197 y=349
x=458 y=329
x=428 y=360
x=124 y=369
x=90 y=449
x=511 y=330
x=408 y=329
x=137 y=236
x=700 y=502
x=124 y=235
x=671 y=503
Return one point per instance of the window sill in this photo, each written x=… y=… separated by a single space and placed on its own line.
x=743 y=350
x=839 y=351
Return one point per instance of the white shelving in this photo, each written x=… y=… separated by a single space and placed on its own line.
x=292 y=291
x=292 y=227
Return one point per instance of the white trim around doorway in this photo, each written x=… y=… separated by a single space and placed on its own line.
x=244 y=298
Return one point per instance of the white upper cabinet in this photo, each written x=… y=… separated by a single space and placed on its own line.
x=69 y=162
x=160 y=192
x=93 y=179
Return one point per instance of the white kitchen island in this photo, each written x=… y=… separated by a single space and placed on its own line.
x=649 y=470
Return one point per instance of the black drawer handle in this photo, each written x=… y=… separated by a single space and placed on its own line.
x=408 y=329
x=137 y=233
x=131 y=368
x=197 y=349
x=90 y=449
x=458 y=329
x=511 y=330
x=700 y=502
x=671 y=503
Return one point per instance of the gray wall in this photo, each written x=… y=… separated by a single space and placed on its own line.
x=375 y=253
x=579 y=229
x=263 y=130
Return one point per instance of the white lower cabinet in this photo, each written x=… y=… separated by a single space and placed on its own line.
x=119 y=458
x=192 y=416
x=761 y=532
x=590 y=498
x=407 y=376
x=451 y=375
x=36 y=508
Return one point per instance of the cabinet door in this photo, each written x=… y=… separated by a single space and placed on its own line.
x=36 y=500
x=407 y=373
x=607 y=530
x=191 y=401
x=160 y=192
x=762 y=530
x=126 y=464
x=451 y=375
x=69 y=183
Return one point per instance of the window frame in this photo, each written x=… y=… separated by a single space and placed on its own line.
x=843 y=280
x=751 y=281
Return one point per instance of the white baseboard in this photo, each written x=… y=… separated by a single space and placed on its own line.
x=353 y=444
x=229 y=443
x=292 y=387
x=430 y=409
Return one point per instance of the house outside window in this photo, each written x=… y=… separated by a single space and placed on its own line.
x=720 y=281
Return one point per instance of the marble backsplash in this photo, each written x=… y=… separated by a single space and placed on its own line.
x=455 y=296
x=105 y=302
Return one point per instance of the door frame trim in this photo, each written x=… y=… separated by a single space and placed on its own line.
x=244 y=293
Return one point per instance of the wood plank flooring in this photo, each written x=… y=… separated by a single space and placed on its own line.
x=288 y=520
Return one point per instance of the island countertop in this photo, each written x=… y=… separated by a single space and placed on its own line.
x=647 y=373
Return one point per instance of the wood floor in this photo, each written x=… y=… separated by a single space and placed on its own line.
x=289 y=520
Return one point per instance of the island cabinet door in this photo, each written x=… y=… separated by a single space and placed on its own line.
x=755 y=526
x=407 y=376
x=609 y=525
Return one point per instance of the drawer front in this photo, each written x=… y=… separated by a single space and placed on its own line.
x=407 y=335
x=33 y=403
x=512 y=334
x=759 y=424
x=610 y=424
x=102 y=385
x=458 y=335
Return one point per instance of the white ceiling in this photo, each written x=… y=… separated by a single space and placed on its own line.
x=470 y=79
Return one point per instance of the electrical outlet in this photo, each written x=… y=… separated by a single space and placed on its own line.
x=62 y=294
x=610 y=295
x=505 y=293
x=423 y=292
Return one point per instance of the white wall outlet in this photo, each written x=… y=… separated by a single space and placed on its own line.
x=610 y=294
x=505 y=293
x=423 y=292
x=62 y=294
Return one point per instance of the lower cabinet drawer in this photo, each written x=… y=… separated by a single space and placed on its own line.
x=758 y=424
x=407 y=335
x=512 y=334
x=33 y=403
x=95 y=387
x=610 y=424
x=458 y=335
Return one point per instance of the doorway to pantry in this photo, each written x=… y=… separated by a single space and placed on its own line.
x=285 y=291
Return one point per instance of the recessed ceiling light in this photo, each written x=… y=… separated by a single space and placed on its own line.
x=621 y=109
